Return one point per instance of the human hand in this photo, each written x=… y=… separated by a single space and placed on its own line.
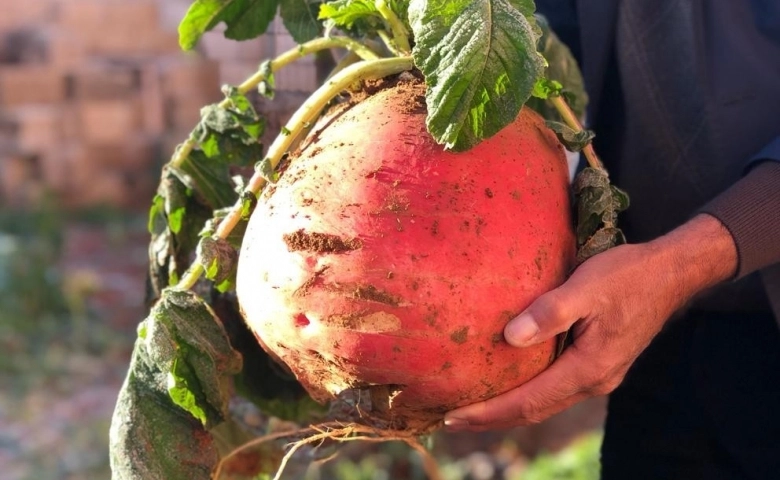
x=616 y=302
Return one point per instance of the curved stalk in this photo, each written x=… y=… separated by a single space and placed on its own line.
x=349 y=59
x=301 y=119
x=397 y=27
x=183 y=150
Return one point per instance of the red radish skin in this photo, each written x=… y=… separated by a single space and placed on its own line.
x=381 y=259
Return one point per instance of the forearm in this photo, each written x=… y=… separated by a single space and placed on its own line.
x=697 y=255
x=750 y=211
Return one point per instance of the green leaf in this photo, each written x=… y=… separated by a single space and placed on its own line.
x=573 y=140
x=210 y=145
x=230 y=134
x=210 y=178
x=245 y=19
x=561 y=68
x=480 y=64
x=218 y=257
x=300 y=19
x=175 y=204
x=177 y=386
x=526 y=7
x=178 y=217
x=238 y=101
x=248 y=204
x=345 y=13
x=545 y=88
x=156 y=213
x=197 y=21
x=219 y=119
x=181 y=390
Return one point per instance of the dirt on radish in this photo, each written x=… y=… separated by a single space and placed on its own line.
x=381 y=262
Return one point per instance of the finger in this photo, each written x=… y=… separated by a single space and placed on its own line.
x=519 y=422
x=553 y=390
x=552 y=313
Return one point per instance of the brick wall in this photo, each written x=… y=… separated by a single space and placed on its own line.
x=95 y=94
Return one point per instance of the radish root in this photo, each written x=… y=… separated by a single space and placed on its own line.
x=341 y=432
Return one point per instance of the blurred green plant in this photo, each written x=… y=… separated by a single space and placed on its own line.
x=578 y=461
x=30 y=284
x=38 y=304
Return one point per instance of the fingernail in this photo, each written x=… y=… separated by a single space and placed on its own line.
x=521 y=331
x=455 y=423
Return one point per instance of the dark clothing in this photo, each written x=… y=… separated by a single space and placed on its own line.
x=685 y=102
x=700 y=403
x=683 y=106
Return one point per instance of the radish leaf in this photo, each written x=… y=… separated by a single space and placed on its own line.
x=219 y=258
x=344 y=13
x=300 y=19
x=573 y=140
x=359 y=16
x=210 y=178
x=526 y=7
x=175 y=219
x=480 y=64
x=545 y=88
x=598 y=204
x=176 y=388
x=245 y=19
x=563 y=76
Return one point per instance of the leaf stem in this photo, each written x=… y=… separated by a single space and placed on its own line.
x=300 y=121
x=400 y=34
x=291 y=55
x=388 y=42
x=572 y=121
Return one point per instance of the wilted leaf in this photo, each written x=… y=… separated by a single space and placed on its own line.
x=601 y=241
x=598 y=204
x=218 y=257
x=573 y=140
x=175 y=389
x=236 y=235
x=267 y=87
x=175 y=218
x=150 y=437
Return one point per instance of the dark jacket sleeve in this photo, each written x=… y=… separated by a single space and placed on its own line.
x=750 y=210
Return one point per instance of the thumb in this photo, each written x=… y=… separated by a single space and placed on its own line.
x=550 y=314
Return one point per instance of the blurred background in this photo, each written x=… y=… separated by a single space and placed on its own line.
x=94 y=97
